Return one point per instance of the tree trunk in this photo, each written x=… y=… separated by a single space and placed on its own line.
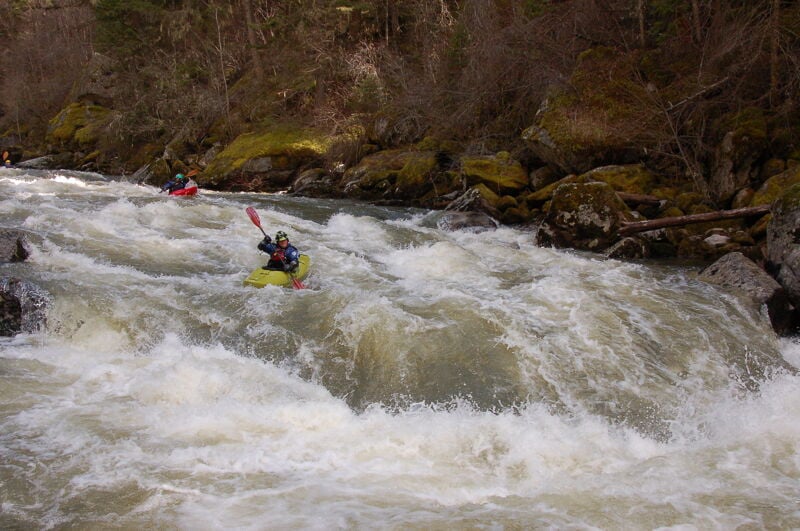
x=641 y=226
x=697 y=24
x=252 y=42
x=774 y=49
x=641 y=10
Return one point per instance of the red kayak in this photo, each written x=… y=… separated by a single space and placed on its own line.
x=192 y=190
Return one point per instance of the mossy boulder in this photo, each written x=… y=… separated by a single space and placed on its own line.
x=583 y=216
x=544 y=194
x=775 y=186
x=501 y=173
x=78 y=126
x=395 y=174
x=478 y=198
x=415 y=177
x=629 y=178
x=601 y=118
x=267 y=158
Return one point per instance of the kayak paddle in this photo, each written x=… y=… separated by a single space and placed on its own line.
x=253 y=215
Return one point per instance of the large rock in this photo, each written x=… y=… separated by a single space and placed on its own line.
x=583 y=216
x=78 y=126
x=476 y=199
x=598 y=119
x=14 y=246
x=783 y=243
x=735 y=161
x=500 y=173
x=265 y=160
x=23 y=307
x=774 y=187
x=315 y=182
x=735 y=270
x=629 y=178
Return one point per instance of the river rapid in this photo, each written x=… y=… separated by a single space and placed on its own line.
x=424 y=380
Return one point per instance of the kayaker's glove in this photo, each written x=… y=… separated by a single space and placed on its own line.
x=291 y=266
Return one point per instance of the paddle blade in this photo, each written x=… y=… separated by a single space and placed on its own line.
x=5 y=155
x=296 y=284
x=251 y=212
x=193 y=173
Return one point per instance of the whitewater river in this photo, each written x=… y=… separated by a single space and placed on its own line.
x=424 y=380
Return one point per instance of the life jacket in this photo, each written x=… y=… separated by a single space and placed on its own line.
x=278 y=256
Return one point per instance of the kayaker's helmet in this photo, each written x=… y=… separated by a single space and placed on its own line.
x=280 y=236
x=180 y=176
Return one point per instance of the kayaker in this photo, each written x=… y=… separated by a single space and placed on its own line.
x=7 y=163
x=283 y=256
x=178 y=183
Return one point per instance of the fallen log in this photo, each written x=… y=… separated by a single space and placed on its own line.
x=652 y=224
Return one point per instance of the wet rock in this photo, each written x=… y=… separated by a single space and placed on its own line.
x=476 y=199
x=734 y=270
x=315 y=182
x=61 y=160
x=14 y=246
x=23 y=307
x=472 y=221
x=630 y=248
x=583 y=216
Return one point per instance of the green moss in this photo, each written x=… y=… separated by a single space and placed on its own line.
x=287 y=146
x=78 y=124
x=687 y=200
x=416 y=171
x=501 y=175
x=747 y=123
x=606 y=109
x=633 y=178
x=789 y=199
x=507 y=202
x=488 y=195
x=775 y=186
x=671 y=212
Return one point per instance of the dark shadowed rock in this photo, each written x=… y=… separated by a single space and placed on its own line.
x=734 y=270
x=23 y=307
x=630 y=247
x=14 y=246
x=783 y=243
x=315 y=182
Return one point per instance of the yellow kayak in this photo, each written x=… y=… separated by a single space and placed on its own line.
x=261 y=277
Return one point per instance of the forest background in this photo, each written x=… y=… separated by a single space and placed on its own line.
x=119 y=84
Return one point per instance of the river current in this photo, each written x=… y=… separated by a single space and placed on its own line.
x=424 y=380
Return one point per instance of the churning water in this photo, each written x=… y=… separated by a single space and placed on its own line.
x=424 y=380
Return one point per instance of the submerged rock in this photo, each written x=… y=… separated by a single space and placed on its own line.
x=23 y=307
x=14 y=246
x=473 y=221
